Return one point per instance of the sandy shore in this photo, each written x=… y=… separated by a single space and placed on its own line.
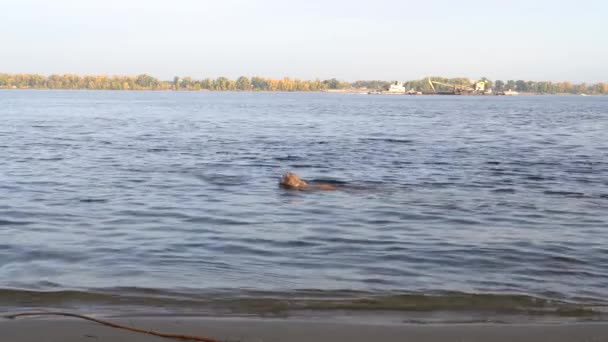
x=261 y=330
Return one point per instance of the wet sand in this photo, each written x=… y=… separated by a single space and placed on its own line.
x=261 y=330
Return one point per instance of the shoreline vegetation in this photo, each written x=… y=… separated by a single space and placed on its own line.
x=286 y=84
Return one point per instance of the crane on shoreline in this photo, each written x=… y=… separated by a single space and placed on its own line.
x=478 y=87
x=456 y=88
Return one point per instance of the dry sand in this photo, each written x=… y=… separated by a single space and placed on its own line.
x=259 y=330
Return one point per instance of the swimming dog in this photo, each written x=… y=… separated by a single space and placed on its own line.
x=291 y=181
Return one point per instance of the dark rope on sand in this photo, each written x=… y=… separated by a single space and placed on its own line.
x=114 y=325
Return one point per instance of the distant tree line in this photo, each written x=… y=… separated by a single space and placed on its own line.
x=256 y=83
x=146 y=82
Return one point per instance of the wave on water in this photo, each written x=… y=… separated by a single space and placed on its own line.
x=388 y=140
x=142 y=301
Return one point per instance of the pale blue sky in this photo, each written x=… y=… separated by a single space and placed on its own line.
x=349 y=40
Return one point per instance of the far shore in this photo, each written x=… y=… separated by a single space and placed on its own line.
x=329 y=91
x=286 y=330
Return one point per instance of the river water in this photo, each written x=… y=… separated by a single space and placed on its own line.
x=170 y=201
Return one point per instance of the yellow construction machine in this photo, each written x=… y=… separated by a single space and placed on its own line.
x=458 y=89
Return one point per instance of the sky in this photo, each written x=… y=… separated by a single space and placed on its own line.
x=349 y=40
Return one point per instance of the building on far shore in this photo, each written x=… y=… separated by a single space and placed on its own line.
x=396 y=87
